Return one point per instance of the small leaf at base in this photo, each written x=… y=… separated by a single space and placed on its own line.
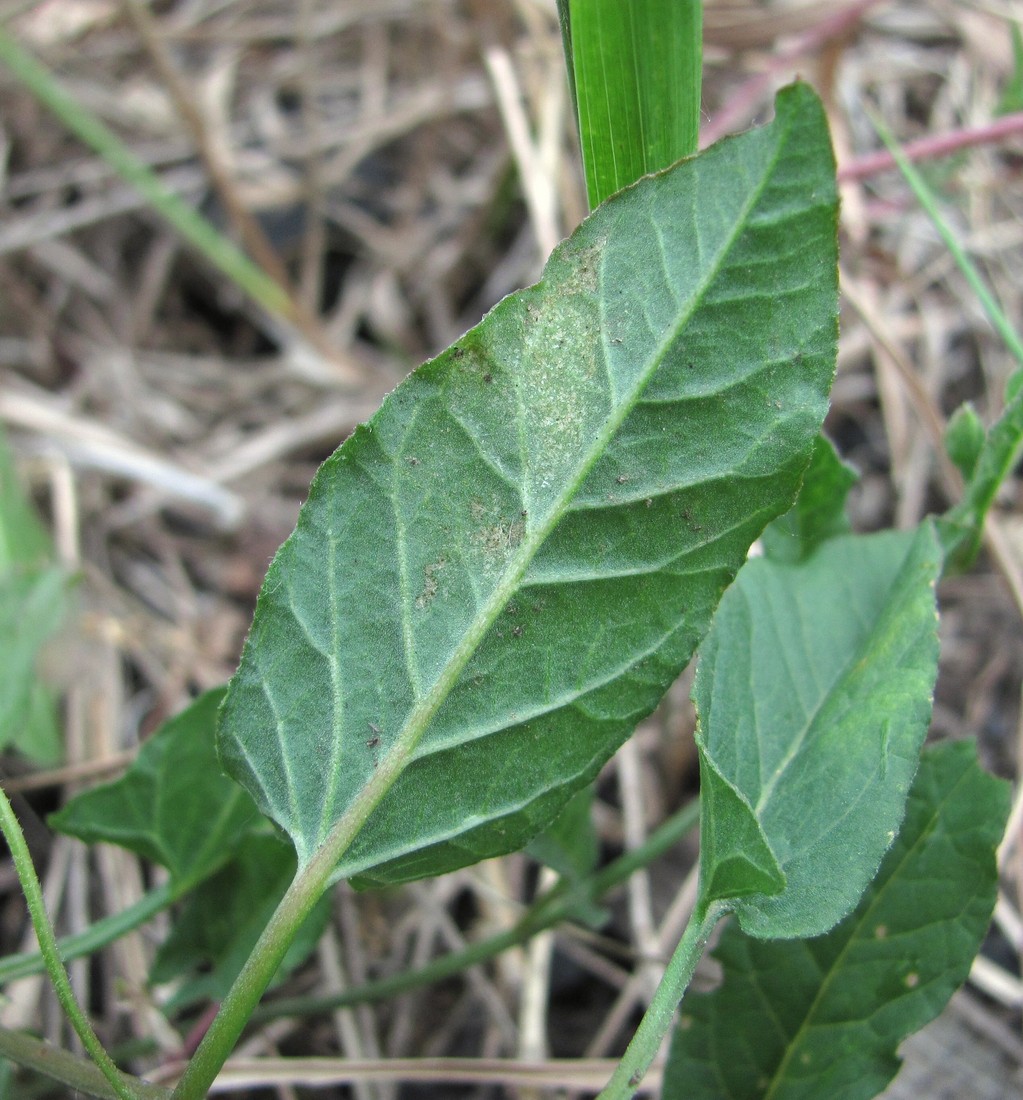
x=804 y=1020
x=814 y=695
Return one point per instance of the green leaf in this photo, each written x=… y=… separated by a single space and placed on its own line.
x=636 y=70
x=501 y=573
x=735 y=855
x=570 y=844
x=814 y=695
x=33 y=601
x=222 y=919
x=962 y=527
x=174 y=805
x=806 y=1019
x=964 y=439
x=38 y=737
x=819 y=512
x=32 y=604
x=23 y=539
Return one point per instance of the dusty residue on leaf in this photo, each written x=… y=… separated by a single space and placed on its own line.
x=426 y=597
x=583 y=277
x=496 y=539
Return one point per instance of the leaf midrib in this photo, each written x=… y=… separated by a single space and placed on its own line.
x=391 y=766
x=839 y=681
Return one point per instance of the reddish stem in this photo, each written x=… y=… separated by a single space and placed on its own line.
x=742 y=104
x=940 y=145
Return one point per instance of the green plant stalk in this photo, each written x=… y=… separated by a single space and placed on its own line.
x=314 y=876
x=71 y=1070
x=310 y=881
x=658 y=1017
x=260 y=967
x=48 y=947
x=96 y=936
x=636 y=73
x=192 y=226
x=995 y=313
x=553 y=907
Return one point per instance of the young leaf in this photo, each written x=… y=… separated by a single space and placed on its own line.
x=174 y=805
x=501 y=573
x=805 y=1019
x=964 y=439
x=962 y=527
x=814 y=695
x=819 y=512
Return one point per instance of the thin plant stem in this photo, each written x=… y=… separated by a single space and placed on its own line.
x=220 y=252
x=925 y=197
x=932 y=147
x=245 y=225
x=261 y=965
x=658 y=1017
x=48 y=947
x=274 y=296
x=94 y=937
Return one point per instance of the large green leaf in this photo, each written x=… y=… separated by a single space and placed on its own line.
x=806 y=1019
x=500 y=574
x=174 y=805
x=814 y=696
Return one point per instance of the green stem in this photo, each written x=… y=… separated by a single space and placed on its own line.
x=302 y=895
x=548 y=910
x=996 y=315
x=260 y=967
x=97 y=935
x=51 y=956
x=657 y=1019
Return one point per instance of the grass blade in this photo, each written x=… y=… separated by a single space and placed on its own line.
x=200 y=233
x=636 y=70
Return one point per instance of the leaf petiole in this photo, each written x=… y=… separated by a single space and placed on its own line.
x=657 y=1019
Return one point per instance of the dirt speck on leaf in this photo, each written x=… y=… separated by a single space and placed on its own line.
x=497 y=539
x=429 y=592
